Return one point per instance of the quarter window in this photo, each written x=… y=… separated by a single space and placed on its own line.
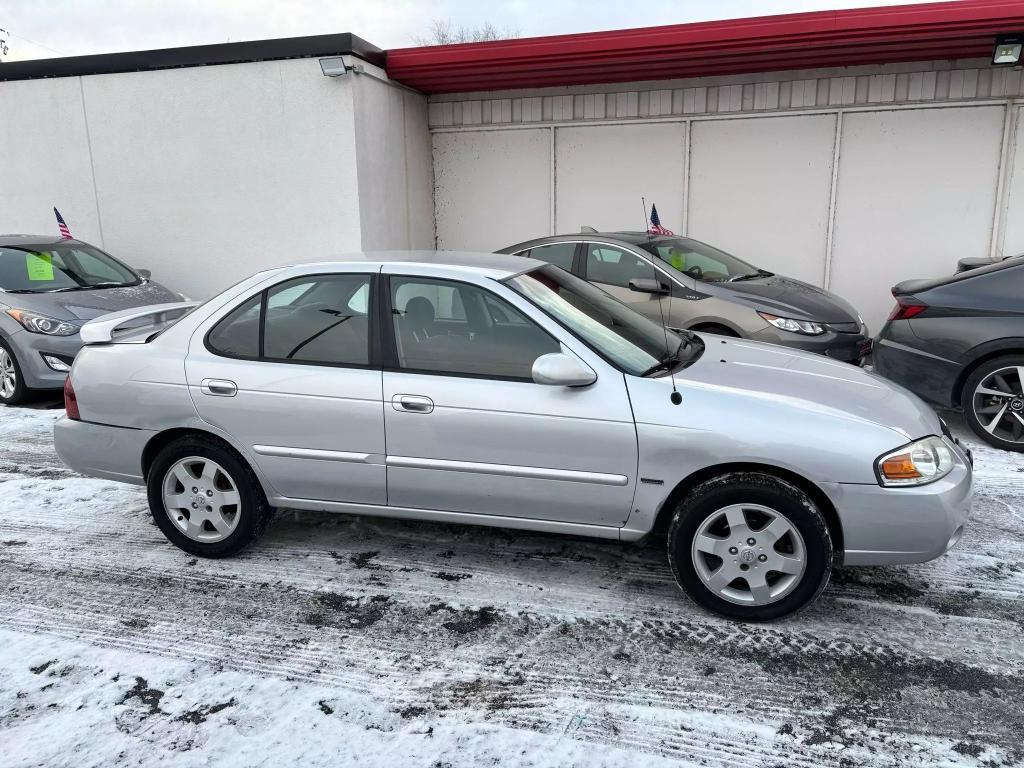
x=455 y=328
x=614 y=266
x=321 y=320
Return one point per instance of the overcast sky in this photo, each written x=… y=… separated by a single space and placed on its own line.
x=44 y=28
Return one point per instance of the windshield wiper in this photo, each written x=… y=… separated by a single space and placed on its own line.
x=672 y=359
x=750 y=276
x=109 y=284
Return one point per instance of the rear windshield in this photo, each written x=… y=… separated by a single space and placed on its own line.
x=60 y=267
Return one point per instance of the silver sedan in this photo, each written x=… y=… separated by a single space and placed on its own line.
x=496 y=390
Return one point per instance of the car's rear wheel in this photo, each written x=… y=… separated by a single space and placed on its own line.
x=12 y=385
x=205 y=498
x=993 y=402
x=750 y=546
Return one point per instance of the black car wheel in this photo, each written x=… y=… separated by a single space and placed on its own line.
x=12 y=385
x=205 y=498
x=993 y=402
x=751 y=546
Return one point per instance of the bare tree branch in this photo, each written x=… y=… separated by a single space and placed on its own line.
x=444 y=32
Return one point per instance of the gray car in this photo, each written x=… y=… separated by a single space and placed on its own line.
x=687 y=284
x=502 y=391
x=48 y=288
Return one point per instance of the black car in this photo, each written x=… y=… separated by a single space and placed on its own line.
x=959 y=342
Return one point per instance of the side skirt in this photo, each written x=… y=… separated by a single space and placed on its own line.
x=441 y=516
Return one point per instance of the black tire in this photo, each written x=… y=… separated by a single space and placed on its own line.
x=754 y=488
x=719 y=330
x=972 y=383
x=21 y=394
x=255 y=513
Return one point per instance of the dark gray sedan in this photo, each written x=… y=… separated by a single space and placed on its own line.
x=48 y=288
x=959 y=341
x=685 y=284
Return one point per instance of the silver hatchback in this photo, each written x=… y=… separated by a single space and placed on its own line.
x=497 y=390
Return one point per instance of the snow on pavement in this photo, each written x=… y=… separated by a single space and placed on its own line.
x=354 y=641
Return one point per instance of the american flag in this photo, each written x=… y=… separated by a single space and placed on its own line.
x=65 y=233
x=656 y=228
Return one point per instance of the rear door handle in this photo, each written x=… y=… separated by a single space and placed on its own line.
x=219 y=387
x=412 y=403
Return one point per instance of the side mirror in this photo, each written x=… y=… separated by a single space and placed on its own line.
x=561 y=370
x=145 y=274
x=648 y=285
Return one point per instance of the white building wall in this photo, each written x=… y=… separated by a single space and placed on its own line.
x=207 y=174
x=393 y=159
x=850 y=178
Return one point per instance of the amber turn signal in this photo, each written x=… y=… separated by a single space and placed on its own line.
x=899 y=467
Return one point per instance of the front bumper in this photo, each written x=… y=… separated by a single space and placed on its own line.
x=30 y=348
x=846 y=347
x=99 y=450
x=888 y=526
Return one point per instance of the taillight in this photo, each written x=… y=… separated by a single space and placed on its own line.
x=907 y=308
x=71 y=401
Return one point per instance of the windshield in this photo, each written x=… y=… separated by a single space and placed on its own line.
x=700 y=260
x=620 y=335
x=60 y=267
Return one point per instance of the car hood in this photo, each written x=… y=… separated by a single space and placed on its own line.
x=787 y=297
x=781 y=377
x=87 y=305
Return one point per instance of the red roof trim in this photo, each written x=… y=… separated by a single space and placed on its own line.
x=949 y=30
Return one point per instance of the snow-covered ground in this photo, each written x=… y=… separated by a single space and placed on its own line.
x=344 y=641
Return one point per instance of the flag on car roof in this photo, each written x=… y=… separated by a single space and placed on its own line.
x=656 y=228
x=65 y=233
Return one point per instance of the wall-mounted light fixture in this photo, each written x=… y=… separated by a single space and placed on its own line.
x=336 y=66
x=1008 y=50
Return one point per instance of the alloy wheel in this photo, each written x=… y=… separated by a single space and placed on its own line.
x=201 y=499
x=749 y=554
x=998 y=404
x=8 y=375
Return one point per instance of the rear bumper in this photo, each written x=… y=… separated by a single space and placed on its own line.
x=846 y=347
x=887 y=526
x=924 y=374
x=99 y=450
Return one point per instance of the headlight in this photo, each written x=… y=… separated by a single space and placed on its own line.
x=924 y=461
x=36 y=323
x=806 y=327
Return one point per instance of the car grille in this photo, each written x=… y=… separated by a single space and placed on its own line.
x=844 y=327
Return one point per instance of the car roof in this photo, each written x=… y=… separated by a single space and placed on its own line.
x=624 y=236
x=494 y=265
x=30 y=240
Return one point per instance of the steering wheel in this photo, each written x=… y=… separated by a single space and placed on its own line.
x=695 y=272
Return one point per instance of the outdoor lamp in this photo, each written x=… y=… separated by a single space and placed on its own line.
x=335 y=66
x=1007 y=51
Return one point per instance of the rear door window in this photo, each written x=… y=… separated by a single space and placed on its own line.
x=559 y=254
x=321 y=320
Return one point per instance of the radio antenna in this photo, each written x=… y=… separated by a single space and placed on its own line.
x=675 y=397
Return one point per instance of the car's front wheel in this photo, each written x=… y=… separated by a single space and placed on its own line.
x=993 y=402
x=205 y=498
x=750 y=546
x=12 y=385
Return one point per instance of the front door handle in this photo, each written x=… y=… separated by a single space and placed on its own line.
x=219 y=387
x=412 y=403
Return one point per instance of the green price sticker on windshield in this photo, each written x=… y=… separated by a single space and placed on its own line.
x=39 y=266
x=678 y=260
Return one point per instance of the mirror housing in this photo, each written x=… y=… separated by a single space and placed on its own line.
x=145 y=274
x=648 y=285
x=561 y=370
